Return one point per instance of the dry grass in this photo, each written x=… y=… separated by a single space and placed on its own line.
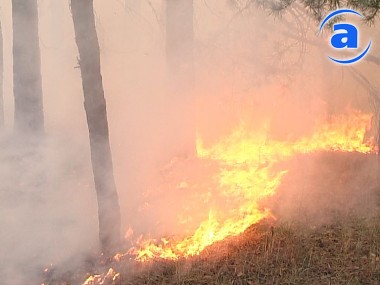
x=334 y=238
x=346 y=252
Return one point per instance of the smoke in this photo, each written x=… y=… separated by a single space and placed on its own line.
x=246 y=67
x=326 y=187
x=47 y=207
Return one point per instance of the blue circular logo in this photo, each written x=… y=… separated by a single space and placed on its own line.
x=345 y=36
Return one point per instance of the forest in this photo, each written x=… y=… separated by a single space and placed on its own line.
x=189 y=142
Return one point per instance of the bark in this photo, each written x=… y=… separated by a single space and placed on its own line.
x=57 y=22
x=95 y=107
x=180 y=70
x=27 y=83
x=180 y=41
x=1 y=80
x=133 y=5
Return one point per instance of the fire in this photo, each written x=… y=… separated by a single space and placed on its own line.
x=109 y=278
x=247 y=174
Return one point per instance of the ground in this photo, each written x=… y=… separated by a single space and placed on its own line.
x=344 y=252
x=326 y=231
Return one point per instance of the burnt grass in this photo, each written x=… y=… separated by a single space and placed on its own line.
x=344 y=252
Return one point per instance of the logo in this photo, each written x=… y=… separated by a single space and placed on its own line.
x=345 y=36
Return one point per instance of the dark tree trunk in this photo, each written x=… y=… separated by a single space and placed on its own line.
x=1 y=80
x=95 y=106
x=27 y=83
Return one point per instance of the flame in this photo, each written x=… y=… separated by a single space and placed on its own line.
x=247 y=174
x=111 y=277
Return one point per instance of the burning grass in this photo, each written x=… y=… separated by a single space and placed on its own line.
x=344 y=252
x=247 y=173
x=342 y=248
x=253 y=175
x=341 y=245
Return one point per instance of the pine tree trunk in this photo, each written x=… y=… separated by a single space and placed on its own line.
x=95 y=106
x=133 y=5
x=180 y=41
x=1 y=80
x=180 y=71
x=57 y=24
x=27 y=83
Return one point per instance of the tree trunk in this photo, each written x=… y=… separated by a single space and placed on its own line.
x=180 y=71
x=95 y=106
x=180 y=41
x=27 y=83
x=1 y=80
x=133 y=5
x=57 y=24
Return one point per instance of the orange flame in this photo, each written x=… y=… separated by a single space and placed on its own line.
x=109 y=278
x=247 y=175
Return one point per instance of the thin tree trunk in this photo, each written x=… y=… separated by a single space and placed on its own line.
x=27 y=82
x=1 y=80
x=95 y=106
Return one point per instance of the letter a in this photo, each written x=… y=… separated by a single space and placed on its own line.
x=346 y=39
